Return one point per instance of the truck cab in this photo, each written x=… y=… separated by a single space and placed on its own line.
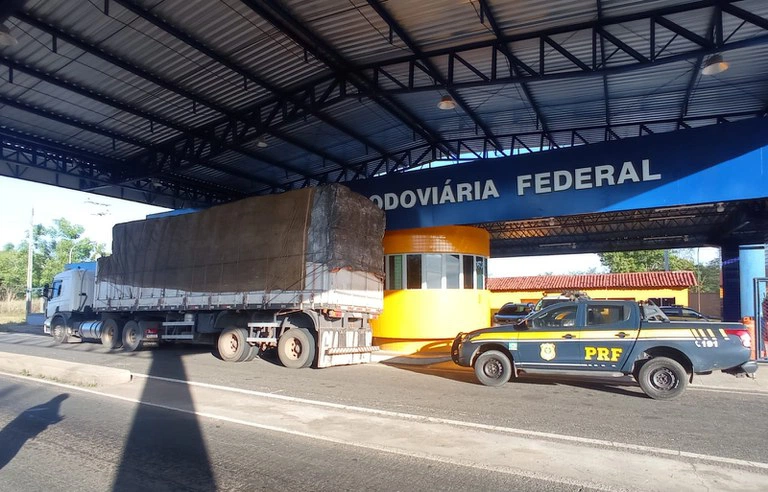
x=70 y=292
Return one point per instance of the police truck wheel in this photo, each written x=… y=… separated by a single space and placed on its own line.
x=110 y=334
x=493 y=368
x=296 y=348
x=59 y=331
x=232 y=345
x=131 y=336
x=662 y=378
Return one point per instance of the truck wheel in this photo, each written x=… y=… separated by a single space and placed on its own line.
x=59 y=331
x=232 y=345
x=493 y=368
x=662 y=378
x=110 y=334
x=296 y=348
x=131 y=336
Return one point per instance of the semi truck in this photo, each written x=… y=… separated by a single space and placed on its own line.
x=300 y=272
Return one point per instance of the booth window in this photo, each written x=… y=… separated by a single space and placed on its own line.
x=394 y=267
x=435 y=271
x=452 y=271
x=413 y=271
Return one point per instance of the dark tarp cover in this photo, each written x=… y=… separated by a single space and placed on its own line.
x=256 y=244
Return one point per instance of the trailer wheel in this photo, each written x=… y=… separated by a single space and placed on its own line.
x=296 y=348
x=59 y=331
x=131 y=336
x=232 y=345
x=110 y=334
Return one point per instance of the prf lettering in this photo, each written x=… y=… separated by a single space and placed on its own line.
x=603 y=353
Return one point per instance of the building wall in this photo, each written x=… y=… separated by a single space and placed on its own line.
x=680 y=295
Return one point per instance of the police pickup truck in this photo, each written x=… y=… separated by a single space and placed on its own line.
x=607 y=337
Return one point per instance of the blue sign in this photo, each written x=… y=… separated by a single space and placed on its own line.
x=703 y=165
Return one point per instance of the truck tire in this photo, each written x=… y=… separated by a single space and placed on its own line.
x=232 y=345
x=110 y=334
x=59 y=331
x=493 y=368
x=131 y=336
x=296 y=348
x=662 y=378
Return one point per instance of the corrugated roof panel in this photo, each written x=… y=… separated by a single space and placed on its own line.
x=356 y=31
x=615 y=8
x=435 y=24
x=536 y=15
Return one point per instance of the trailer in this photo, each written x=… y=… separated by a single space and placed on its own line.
x=300 y=272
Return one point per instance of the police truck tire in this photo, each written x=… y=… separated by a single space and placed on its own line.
x=296 y=348
x=232 y=345
x=131 y=336
x=662 y=378
x=110 y=334
x=493 y=368
x=59 y=331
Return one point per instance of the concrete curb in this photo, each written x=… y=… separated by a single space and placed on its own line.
x=61 y=371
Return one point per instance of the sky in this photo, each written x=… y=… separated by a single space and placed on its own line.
x=97 y=214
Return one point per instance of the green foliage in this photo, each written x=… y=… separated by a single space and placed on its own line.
x=708 y=275
x=54 y=247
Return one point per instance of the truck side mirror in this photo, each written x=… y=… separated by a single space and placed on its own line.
x=46 y=291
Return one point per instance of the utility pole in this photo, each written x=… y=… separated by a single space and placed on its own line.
x=30 y=255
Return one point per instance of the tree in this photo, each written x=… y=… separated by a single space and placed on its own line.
x=707 y=275
x=54 y=247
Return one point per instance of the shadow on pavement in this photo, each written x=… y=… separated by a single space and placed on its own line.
x=448 y=370
x=165 y=450
x=28 y=425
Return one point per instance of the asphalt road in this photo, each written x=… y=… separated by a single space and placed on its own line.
x=724 y=425
x=53 y=439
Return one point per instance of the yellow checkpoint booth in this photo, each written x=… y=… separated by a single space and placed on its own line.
x=435 y=287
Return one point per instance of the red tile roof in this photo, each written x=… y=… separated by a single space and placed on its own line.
x=640 y=280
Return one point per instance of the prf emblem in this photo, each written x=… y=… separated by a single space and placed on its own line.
x=548 y=351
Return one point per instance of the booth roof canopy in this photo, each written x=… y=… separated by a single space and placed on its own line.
x=639 y=280
x=185 y=103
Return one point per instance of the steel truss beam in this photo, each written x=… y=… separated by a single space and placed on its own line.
x=276 y=14
x=397 y=75
x=19 y=154
x=487 y=13
x=687 y=226
x=227 y=133
x=434 y=71
x=295 y=100
x=535 y=141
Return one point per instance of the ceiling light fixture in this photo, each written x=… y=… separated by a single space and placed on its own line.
x=446 y=103
x=261 y=143
x=6 y=38
x=720 y=207
x=715 y=65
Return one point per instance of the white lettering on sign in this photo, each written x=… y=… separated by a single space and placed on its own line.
x=434 y=195
x=585 y=178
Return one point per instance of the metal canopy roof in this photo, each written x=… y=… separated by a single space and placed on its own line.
x=185 y=103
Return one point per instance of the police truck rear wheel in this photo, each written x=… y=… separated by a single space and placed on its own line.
x=232 y=345
x=493 y=368
x=296 y=348
x=662 y=378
